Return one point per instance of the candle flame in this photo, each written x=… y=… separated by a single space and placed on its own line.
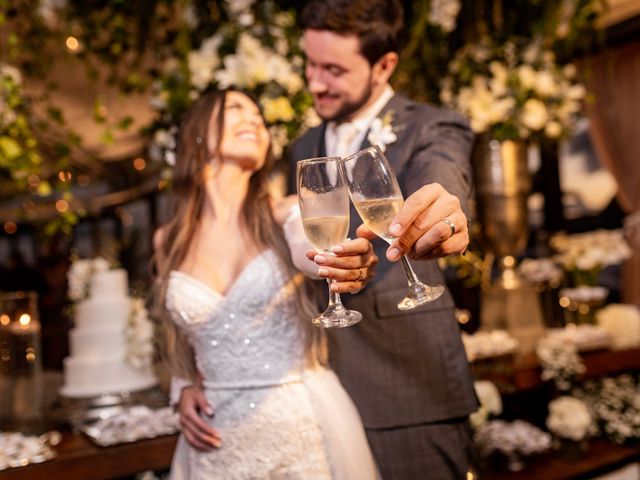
x=5 y=319
x=24 y=320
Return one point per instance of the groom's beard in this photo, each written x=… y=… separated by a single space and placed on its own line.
x=346 y=111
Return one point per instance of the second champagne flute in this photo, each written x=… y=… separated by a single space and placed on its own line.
x=375 y=192
x=324 y=207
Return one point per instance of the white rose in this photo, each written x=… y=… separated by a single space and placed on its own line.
x=527 y=76
x=489 y=395
x=569 y=70
x=546 y=85
x=569 y=418
x=534 y=114
x=577 y=92
x=553 y=129
x=201 y=69
x=237 y=7
x=622 y=322
x=311 y=118
x=531 y=53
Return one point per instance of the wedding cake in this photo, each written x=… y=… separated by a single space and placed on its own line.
x=99 y=361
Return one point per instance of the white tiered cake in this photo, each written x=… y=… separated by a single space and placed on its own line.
x=97 y=364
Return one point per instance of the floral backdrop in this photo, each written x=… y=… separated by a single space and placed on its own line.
x=505 y=64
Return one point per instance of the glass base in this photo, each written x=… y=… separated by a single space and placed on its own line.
x=337 y=316
x=419 y=294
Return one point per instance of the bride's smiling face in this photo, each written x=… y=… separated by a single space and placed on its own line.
x=245 y=138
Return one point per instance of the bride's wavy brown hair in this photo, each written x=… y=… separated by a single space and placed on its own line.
x=188 y=196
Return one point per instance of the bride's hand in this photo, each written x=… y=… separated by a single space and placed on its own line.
x=352 y=266
x=193 y=404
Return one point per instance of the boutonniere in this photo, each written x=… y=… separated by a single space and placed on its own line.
x=381 y=131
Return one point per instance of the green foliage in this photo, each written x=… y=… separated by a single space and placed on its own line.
x=440 y=28
x=176 y=49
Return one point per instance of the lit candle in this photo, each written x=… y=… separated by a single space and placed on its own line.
x=25 y=343
x=25 y=325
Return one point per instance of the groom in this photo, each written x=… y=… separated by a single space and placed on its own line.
x=405 y=370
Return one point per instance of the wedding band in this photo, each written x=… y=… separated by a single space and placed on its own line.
x=451 y=226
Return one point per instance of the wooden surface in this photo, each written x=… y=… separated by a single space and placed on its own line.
x=599 y=458
x=79 y=459
x=521 y=373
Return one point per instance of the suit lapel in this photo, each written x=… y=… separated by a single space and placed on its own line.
x=398 y=107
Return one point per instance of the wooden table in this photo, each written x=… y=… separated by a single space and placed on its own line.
x=520 y=375
x=601 y=457
x=79 y=459
x=522 y=372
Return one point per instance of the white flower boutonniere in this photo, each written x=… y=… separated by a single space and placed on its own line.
x=381 y=131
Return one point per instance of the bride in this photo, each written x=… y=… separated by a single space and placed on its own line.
x=261 y=403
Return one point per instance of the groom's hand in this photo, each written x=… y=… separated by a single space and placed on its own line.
x=196 y=431
x=431 y=224
x=352 y=265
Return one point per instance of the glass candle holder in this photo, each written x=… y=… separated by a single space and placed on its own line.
x=581 y=303
x=21 y=384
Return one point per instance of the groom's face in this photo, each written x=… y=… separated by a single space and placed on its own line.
x=339 y=77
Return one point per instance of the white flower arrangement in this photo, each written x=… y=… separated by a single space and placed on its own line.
x=381 y=131
x=560 y=360
x=139 y=336
x=590 y=251
x=488 y=344
x=79 y=276
x=540 y=270
x=511 y=92
x=443 y=13
x=585 y=294
x=518 y=437
x=622 y=322
x=490 y=402
x=569 y=418
x=585 y=337
x=615 y=404
x=255 y=50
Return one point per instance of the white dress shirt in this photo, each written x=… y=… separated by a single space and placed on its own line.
x=345 y=138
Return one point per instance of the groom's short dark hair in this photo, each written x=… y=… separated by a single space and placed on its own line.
x=378 y=24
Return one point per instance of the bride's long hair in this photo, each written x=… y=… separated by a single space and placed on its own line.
x=188 y=196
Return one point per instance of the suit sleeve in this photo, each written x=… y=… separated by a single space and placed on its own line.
x=442 y=154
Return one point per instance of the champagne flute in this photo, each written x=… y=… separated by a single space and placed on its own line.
x=324 y=207
x=375 y=192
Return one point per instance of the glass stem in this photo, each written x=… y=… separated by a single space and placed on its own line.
x=411 y=275
x=334 y=297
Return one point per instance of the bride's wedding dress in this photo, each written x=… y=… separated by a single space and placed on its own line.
x=277 y=417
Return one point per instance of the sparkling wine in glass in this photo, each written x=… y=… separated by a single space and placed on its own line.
x=375 y=192
x=324 y=206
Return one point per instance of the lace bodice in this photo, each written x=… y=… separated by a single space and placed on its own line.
x=249 y=347
x=249 y=337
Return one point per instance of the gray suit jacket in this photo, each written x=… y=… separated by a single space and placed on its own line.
x=405 y=368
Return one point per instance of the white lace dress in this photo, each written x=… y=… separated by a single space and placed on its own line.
x=277 y=419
